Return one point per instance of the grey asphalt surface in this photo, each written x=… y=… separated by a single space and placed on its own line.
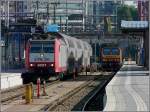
x=128 y=90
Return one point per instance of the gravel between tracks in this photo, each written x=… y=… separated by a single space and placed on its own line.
x=62 y=96
x=14 y=93
x=75 y=100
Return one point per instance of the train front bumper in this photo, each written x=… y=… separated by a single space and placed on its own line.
x=42 y=67
x=110 y=64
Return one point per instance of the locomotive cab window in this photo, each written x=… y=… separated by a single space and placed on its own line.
x=48 y=48
x=115 y=51
x=36 y=48
x=42 y=47
x=106 y=51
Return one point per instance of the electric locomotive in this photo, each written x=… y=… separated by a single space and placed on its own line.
x=111 y=57
x=54 y=56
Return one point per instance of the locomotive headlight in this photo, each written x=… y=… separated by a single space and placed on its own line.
x=31 y=65
x=42 y=55
x=52 y=65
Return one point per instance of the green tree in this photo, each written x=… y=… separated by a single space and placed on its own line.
x=134 y=13
x=125 y=12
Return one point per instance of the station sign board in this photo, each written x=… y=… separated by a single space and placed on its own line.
x=134 y=24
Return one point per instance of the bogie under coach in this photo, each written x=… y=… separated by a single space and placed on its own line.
x=56 y=55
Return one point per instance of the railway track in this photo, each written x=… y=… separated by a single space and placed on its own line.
x=10 y=94
x=76 y=99
x=72 y=100
x=17 y=92
x=14 y=93
x=95 y=101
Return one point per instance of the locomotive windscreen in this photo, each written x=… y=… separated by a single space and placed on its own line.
x=115 y=51
x=111 y=51
x=42 y=47
x=106 y=51
x=42 y=51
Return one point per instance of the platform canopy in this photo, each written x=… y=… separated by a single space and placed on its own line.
x=134 y=24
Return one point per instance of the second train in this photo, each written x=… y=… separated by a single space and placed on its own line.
x=111 y=57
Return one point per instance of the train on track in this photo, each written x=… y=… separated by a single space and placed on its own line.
x=111 y=57
x=54 y=54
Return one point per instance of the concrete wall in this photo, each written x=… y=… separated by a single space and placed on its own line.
x=9 y=80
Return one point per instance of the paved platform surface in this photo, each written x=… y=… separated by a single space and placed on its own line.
x=129 y=89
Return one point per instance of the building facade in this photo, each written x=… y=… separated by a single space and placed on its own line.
x=70 y=15
x=73 y=16
x=143 y=9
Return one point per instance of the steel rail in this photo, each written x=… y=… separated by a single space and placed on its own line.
x=88 y=102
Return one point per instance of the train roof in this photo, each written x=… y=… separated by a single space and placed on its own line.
x=51 y=35
x=71 y=41
x=109 y=45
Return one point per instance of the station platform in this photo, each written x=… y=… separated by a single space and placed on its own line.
x=128 y=90
x=10 y=79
